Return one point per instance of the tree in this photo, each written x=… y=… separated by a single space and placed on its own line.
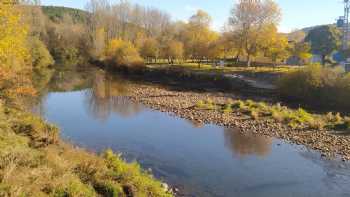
x=15 y=61
x=13 y=35
x=301 y=50
x=198 y=36
x=98 y=43
x=150 y=49
x=40 y=55
x=216 y=50
x=119 y=52
x=248 y=20
x=174 y=50
x=275 y=45
x=201 y=19
x=324 y=40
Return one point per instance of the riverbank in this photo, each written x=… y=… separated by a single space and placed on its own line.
x=34 y=161
x=183 y=104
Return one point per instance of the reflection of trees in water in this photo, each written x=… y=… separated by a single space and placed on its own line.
x=247 y=143
x=109 y=95
x=72 y=79
x=337 y=173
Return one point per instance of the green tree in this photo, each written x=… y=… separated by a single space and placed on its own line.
x=324 y=40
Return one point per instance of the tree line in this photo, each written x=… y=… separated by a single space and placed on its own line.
x=130 y=34
x=125 y=33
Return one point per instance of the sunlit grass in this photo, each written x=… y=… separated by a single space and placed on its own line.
x=204 y=67
x=297 y=119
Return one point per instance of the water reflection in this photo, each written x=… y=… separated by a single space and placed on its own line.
x=110 y=95
x=246 y=144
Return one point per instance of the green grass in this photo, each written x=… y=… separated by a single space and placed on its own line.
x=299 y=118
x=206 y=104
x=35 y=162
x=228 y=70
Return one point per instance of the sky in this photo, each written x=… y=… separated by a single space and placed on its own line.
x=297 y=14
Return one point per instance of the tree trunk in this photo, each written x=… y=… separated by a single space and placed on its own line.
x=249 y=60
x=323 y=60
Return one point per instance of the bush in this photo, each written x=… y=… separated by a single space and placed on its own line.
x=317 y=85
x=66 y=55
x=123 y=53
x=41 y=56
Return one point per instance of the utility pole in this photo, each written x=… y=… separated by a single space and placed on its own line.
x=343 y=23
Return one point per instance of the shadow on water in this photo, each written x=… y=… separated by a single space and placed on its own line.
x=94 y=111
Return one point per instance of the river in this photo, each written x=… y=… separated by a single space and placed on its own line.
x=93 y=111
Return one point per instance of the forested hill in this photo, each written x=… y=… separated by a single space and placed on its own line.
x=57 y=13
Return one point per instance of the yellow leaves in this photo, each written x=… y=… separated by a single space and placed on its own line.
x=14 y=54
x=113 y=46
x=150 y=48
x=13 y=35
x=122 y=52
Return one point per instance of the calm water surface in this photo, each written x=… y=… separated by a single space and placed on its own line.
x=202 y=160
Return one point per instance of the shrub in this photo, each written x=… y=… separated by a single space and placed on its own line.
x=228 y=107
x=74 y=187
x=317 y=85
x=41 y=56
x=41 y=133
x=66 y=56
x=123 y=53
x=206 y=105
x=254 y=114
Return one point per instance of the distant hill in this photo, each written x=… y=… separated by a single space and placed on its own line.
x=303 y=31
x=56 y=13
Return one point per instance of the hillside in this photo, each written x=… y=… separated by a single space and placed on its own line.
x=56 y=13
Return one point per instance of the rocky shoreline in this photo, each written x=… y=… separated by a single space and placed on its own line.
x=182 y=104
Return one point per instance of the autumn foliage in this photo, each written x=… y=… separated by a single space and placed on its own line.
x=119 y=52
x=15 y=59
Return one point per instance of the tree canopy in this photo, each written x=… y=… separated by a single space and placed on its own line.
x=324 y=40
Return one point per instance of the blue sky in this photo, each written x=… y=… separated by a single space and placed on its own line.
x=296 y=13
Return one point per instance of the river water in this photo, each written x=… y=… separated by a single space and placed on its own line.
x=93 y=111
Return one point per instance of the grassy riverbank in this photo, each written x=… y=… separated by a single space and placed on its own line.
x=35 y=162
